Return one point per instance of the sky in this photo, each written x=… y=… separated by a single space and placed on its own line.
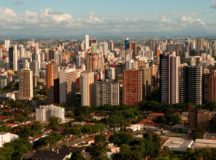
x=68 y=18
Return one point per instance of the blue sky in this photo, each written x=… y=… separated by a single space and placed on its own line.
x=112 y=17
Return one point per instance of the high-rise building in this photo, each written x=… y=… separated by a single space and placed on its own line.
x=34 y=66
x=11 y=57
x=111 y=45
x=79 y=60
x=35 y=69
x=15 y=58
x=169 y=74
x=87 y=81
x=211 y=87
x=147 y=80
x=127 y=44
x=38 y=57
x=51 y=73
x=194 y=84
x=110 y=73
x=87 y=43
x=191 y=85
x=132 y=87
x=44 y=113
x=25 y=84
x=133 y=48
x=67 y=83
x=94 y=62
x=21 y=51
x=105 y=48
x=182 y=83
x=56 y=94
x=105 y=92
x=7 y=44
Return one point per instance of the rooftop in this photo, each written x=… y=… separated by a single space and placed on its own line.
x=178 y=144
x=204 y=143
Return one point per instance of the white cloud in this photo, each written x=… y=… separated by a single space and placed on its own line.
x=164 y=19
x=51 y=22
x=56 y=17
x=188 y=20
x=94 y=18
x=200 y=21
x=8 y=12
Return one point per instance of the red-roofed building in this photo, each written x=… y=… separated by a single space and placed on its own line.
x=146 y=121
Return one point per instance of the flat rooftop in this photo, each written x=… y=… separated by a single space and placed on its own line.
x=177 y=144
x=204 y=143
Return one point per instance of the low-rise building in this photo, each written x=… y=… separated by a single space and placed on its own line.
x=177 y=144
x=135 y=127
x=6 y=138
x=204 y=143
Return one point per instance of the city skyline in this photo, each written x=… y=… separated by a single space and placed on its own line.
x=28 y=19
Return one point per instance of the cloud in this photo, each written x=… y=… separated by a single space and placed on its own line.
x=8 y=12
x=164 y=19
x=56 y=17
x=213 y=5
x=188 y=20
x=50 y=22
x=94 y=18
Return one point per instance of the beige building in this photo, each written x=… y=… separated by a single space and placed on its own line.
x=67 y=82
x=87 y=81
x=147 y=80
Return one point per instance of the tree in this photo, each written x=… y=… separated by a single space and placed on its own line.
x=54 y=122
x=121 y=138
x=82 y=113
x=36 y=126
x=116 y=120
x=171 y=118
x=77 y=156
x=14 y=149
x=4 y=129
x=154 y=95
x=164 y=158
x=98 y=150
x=168 y=119
x=100 y=140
